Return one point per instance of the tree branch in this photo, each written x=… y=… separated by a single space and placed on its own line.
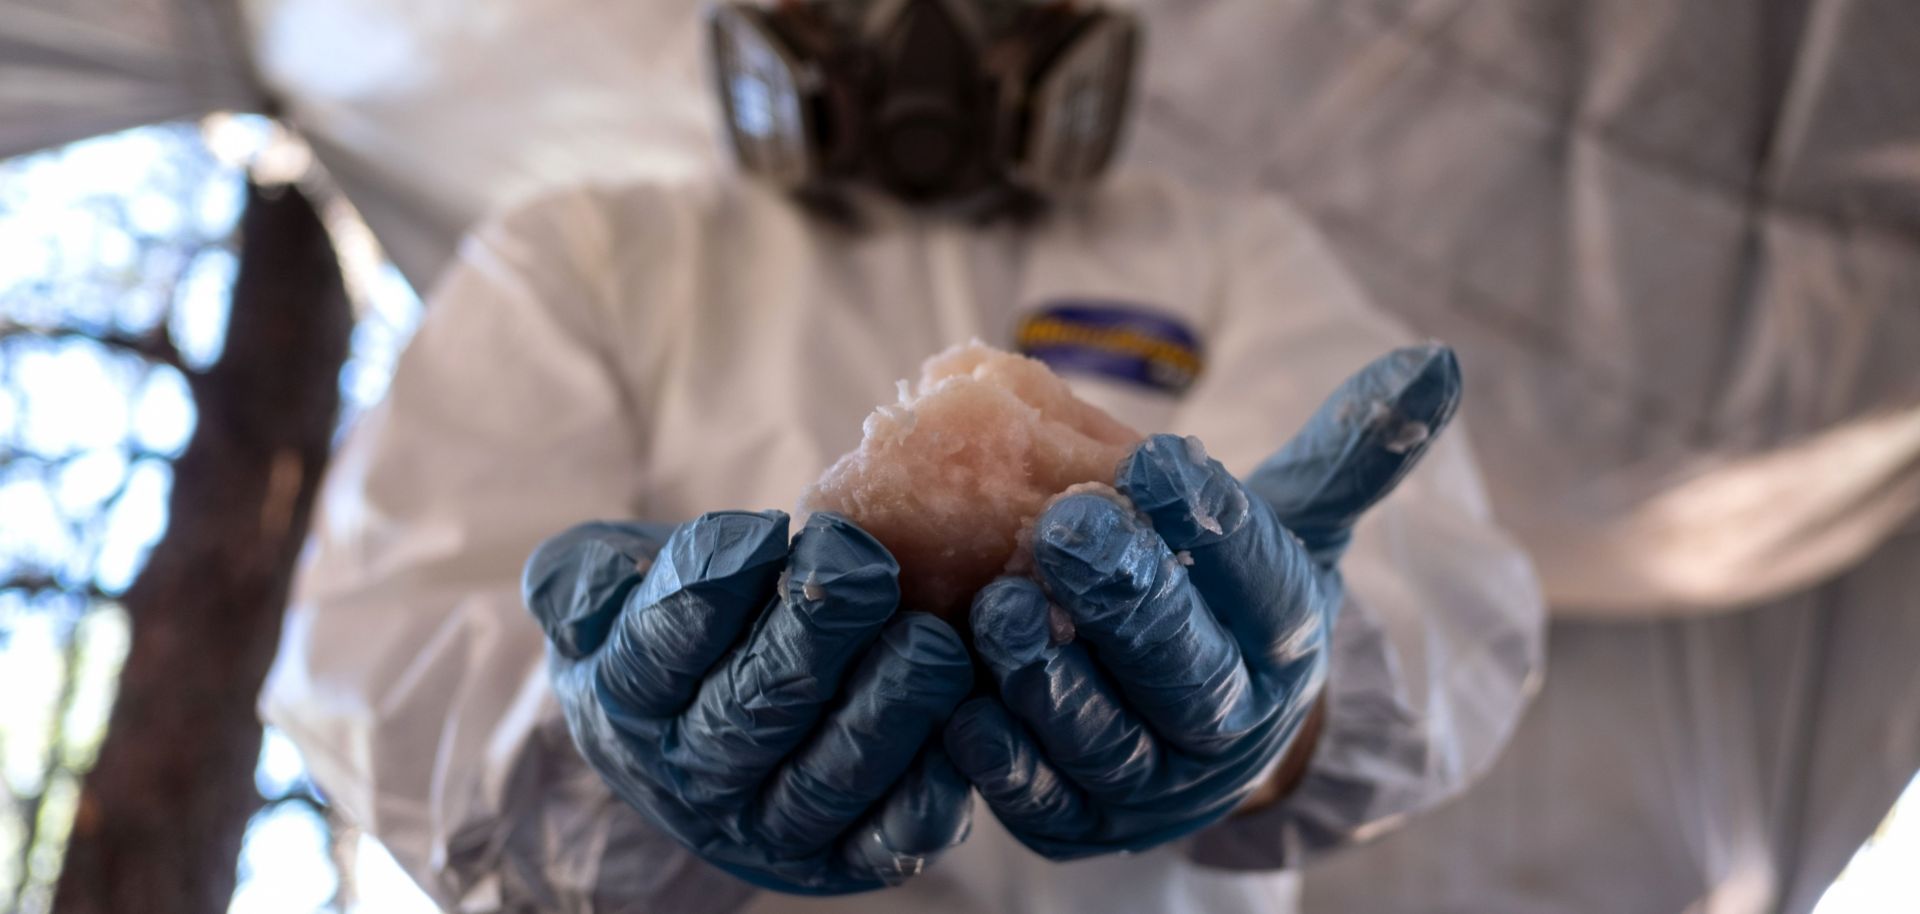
x=15 y=456
x=35 y=583
x=154 y=346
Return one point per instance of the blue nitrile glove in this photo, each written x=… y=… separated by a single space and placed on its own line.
x=1199 y=631
x=801 y=755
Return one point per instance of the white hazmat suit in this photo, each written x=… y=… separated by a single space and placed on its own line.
x=660 y=351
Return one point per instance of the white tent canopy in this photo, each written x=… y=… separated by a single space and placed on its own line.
x=1678 y=244
x=71 y=69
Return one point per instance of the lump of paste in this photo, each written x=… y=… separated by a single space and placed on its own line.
x=949 y=477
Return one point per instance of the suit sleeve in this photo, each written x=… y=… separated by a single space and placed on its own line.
x=410 y=675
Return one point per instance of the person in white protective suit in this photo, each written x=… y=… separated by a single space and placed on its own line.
x=679 y=728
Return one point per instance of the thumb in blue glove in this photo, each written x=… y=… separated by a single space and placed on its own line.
x=766 y=706
x=1200 y=623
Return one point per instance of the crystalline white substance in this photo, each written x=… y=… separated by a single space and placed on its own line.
x=1101 y=489
x=950 y=477
x=1060 y=629
x=1196 y=451
x=1408 y=436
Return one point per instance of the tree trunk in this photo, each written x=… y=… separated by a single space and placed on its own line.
x=163 y=811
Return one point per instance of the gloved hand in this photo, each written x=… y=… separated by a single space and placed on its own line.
x=1199 y=630
x=800 y=757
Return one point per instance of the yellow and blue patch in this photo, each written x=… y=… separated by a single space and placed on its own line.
x=1113 y=340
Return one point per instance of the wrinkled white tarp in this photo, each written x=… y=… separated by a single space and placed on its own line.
x=1669 y=238
x=431 y=113
x=71 y=69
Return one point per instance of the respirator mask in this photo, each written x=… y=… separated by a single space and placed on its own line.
x=973 y=104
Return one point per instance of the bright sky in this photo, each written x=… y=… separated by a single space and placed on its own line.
x=83 y=400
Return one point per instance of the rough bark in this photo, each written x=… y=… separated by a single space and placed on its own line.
x=163 y=811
